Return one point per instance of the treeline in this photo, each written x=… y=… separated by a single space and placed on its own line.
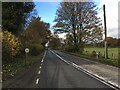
x=111 y=42
x=22 y=28
x=83 y=27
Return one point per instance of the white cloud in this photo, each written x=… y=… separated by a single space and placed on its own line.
x=47 y=0
x=111 y=16
x=62 y=35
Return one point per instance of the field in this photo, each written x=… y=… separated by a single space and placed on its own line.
x=112 y=52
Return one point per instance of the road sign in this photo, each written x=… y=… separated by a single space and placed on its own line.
x=27 y=50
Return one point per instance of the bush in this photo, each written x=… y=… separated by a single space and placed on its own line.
x=69 y=48
x=100 y=55
x=11 y=46
x=93 y=54
x=36 y=49
x=72 y=48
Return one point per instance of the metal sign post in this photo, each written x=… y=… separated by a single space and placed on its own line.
x=26 y=51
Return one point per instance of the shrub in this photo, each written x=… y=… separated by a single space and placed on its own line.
x=93 y=54
x=36 y=49
x=10 y=45
x=100 y=55
x=72 y=48
x=69 y=48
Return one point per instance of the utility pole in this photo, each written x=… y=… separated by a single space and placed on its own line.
x=105 y=28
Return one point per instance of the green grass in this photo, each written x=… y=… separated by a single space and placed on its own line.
x=20 y=64
x=112 y=52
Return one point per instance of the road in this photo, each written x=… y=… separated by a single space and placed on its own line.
x=55 y=71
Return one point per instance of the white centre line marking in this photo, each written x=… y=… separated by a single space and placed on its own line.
x=40 y=67
x=37 y=80
x=43 y=57
x=42 y=60
x=38 y=72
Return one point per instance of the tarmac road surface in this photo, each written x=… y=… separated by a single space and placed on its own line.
x=54 y=72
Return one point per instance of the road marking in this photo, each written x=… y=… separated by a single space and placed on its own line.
x=60 y=57
x=37 y=81
x=87 y=72
x=40 y=67
x=38 y=72
x=43 y=57
x=42 y=61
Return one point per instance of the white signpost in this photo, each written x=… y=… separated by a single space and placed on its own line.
x=26 y=51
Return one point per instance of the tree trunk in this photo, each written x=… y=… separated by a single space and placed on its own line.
x=74 y=34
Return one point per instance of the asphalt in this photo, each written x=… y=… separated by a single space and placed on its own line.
x=53 y=72
x=107 y=73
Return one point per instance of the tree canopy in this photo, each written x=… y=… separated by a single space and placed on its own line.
x=80 y=20
x=37 y=31
x=15 y=14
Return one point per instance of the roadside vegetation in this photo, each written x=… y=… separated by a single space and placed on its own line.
x=18 y=65
x=112 y=52
x=21 y=28
x=92 y=56
x=84 y=33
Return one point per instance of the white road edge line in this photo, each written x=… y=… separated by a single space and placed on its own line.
x=85 y=71
x=37 y=80
x=93 y=75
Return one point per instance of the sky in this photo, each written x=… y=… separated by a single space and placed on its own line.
x=47 y=12
x=111 y=16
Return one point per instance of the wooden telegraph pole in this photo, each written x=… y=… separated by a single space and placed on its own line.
x=105 y=28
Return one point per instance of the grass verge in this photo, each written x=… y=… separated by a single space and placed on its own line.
x=11 y=69
x=113 y=53
x=101 y=60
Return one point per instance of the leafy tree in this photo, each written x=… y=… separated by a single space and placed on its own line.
x=55 y=42
x=112 y=42
x=15 y=15
x=118 y=42
x=40 y=28
x=79 y=19
x=35 y=35
x=11 y=46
